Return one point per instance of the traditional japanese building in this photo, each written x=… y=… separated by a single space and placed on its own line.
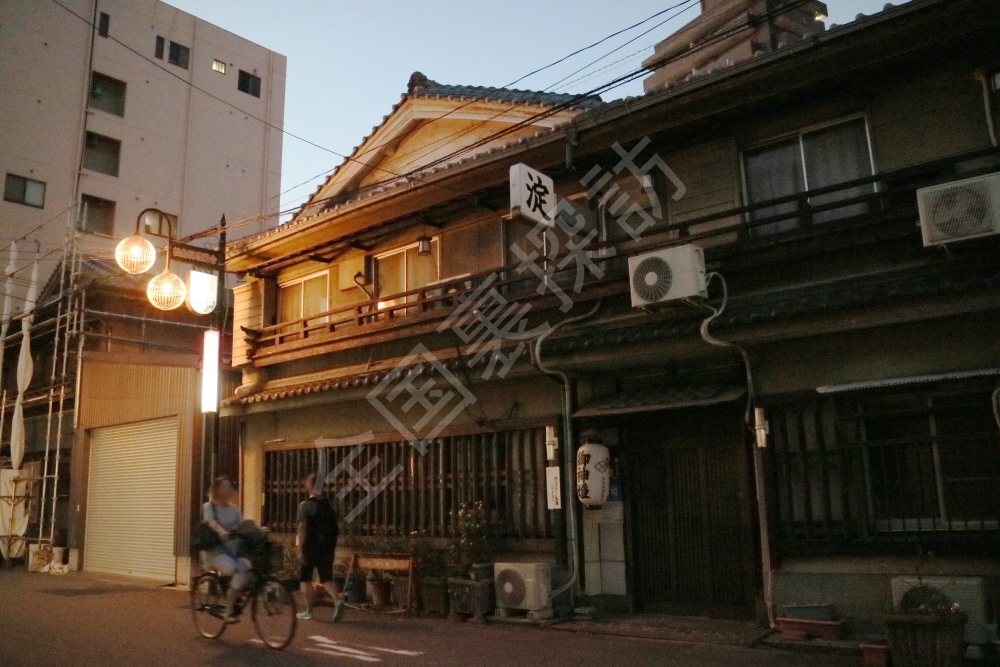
x=866 y=313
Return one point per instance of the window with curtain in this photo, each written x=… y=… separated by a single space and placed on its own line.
x=304 y=298
x=404 y=270
x=808 y=161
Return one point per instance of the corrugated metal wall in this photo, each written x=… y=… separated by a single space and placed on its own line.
x=125 y=389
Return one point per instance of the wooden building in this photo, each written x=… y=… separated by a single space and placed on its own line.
x=797 y=169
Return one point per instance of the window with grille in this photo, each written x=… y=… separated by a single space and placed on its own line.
x=504 y=470
x=907 y=467
x=102 y=153
x=97 y=216
x=107 y=94
x=219 y=66
x=161 y=46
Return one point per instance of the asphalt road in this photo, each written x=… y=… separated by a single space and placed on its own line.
x=74 y=620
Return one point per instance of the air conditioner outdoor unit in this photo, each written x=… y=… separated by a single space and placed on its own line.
x=977 y=596
x=666 y=275
x=960 y=210
x=524 y=586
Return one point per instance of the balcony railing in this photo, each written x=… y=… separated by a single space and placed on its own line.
x=891 y=201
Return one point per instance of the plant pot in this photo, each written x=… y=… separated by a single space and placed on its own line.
x=812 y=612
x=875 y=655
x=341 y=583
x=434 y=595
x=471 y=598
x=290 y=584
x=378 y=591
x=355 y=591
x=802 y=628
x=481 y=571
x=926 y=640
x=401 y=591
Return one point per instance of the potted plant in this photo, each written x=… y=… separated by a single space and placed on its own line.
x=432 y=571
x=927 y=630
x=288 y=570
x=473 y=546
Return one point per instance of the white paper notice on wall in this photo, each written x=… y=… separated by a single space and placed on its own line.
x=552 y=490
x=532 y=195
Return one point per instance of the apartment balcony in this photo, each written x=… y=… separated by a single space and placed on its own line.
x=875 y=209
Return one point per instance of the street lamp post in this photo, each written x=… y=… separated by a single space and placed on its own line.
x=167 y=291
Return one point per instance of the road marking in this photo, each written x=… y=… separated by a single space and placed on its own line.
x=333 y=652
x=329 y=646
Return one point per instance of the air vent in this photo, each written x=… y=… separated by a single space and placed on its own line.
x=960 y=210
x=666 y=275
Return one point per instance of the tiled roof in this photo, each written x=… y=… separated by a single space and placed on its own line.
x=421 y=86
x=751 y=309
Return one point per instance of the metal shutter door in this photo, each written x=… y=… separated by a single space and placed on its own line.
x=130 y=500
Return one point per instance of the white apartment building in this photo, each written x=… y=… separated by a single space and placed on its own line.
x=114 y=106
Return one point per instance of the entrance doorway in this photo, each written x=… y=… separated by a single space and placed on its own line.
x=690 y=508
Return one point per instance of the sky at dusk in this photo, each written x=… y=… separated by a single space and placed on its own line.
x=348 y=62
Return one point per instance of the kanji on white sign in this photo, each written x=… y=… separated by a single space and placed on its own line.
x=532 y=195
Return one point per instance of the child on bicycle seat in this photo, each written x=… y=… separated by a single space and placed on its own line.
x=224 y=517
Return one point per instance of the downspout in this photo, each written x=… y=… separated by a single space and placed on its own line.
x=988 y=104
x=569 y=465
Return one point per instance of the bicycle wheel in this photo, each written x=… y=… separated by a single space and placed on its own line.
x=208 y=605
x=273 y=611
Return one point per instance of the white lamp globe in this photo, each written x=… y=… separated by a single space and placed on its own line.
x=135 y=254
x=166 y=291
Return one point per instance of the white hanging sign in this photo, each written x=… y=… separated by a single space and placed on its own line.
x=532 y=195
x=552 y=488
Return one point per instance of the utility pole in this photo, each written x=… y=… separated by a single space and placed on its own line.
x=220 y=325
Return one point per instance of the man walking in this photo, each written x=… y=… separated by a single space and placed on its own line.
x=316 y=542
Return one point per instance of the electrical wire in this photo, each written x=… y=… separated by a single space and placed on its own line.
x=712 y=340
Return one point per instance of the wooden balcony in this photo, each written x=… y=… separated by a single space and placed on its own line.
x=820 y=219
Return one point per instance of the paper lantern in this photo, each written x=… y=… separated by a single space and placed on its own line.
x=166 y=291
x=593 y=473
x=135 y=254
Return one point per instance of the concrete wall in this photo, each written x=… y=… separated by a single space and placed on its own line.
x=182 y=151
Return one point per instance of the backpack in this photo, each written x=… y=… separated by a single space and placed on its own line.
x=321 y=527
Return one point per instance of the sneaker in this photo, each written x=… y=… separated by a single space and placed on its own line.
x=338 y=610
x=304 y=615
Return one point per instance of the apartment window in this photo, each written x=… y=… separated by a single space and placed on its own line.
x=27 y=191
x=809 y=160
x=179 y=55
x=157 y=226
x=919 y=465
x=219 y=66
x=161 y=46
x=249 y=83
x=103 y=23
x=404 y=270
x=304 y=298
x=102 y=154
x=107 y=94
x=97 y=216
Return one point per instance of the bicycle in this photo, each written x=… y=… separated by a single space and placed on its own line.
x=272 y=606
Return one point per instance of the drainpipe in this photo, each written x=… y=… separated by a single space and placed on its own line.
x=988 y=103
x=569 y=465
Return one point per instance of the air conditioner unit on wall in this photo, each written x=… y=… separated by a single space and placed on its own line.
x=960 y=210
x=666 y=275
x=977 y=596
x=524 y=586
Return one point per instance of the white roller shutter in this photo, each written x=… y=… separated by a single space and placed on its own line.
x=131 y=500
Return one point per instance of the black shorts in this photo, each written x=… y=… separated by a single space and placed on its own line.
x=321 y=562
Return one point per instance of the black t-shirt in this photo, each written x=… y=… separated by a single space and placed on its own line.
x=321 y=524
